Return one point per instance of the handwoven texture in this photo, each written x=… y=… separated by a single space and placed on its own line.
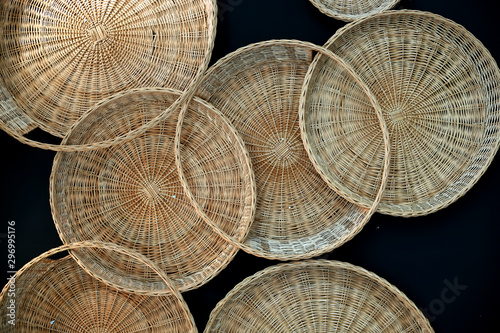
x=130 y=194
x=316 y=296
x=58 y=58
x=59 y=296
x=351 y=10
x=258 y=89
x=439 y=90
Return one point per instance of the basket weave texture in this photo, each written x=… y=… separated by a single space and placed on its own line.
x=439 y=90
x=59 y=58
x=351 y=10
x=258 y=89
x=59 y=296
x=316 y=296
x=130 y=194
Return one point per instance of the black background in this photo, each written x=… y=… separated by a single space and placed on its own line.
x=420 y=256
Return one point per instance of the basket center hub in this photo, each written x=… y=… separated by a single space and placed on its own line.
x=98 y=33
x=397 y=115
x=152 y=190
x=283 y=150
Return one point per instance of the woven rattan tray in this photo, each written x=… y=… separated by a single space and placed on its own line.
x=59 y=296
x=130 y=194
x=439 y=89
x=316 y=296
x=258 y=89
x=59 y=58
x=351 y=10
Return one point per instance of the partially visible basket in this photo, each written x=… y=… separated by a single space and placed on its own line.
x=59 y=296
x=59 y=58
x=351 y=10
x=439 y=89
x=130 y=194
x=316 y=296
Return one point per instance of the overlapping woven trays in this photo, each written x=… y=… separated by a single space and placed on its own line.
x=130 y=194
x=59 y=58
x=258 y=89
x=316 y=296
x=351 y=10
x=57 y=295
x=439 y=89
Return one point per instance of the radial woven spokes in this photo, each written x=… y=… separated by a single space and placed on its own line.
x=297 y=215
x=131 y=194
x=350 y=10
x=59 y=57
x=438 y=88
x=59 y=296
x=316 y=296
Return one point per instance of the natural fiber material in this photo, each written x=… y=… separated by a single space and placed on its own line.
x=439 y=89
x=59 y=58
x=258 y=89
x=351 y=10
x=316 y=296
x=130 y=194
x=59 y=296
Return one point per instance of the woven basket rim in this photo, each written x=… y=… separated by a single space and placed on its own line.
x=320 y=4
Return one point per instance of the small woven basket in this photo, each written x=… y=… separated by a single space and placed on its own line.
x=59 y=296
x=351 y=10
x=59 y=58
x=439 y=89
x=316 y=296
x=130 y=194
x=258 y=89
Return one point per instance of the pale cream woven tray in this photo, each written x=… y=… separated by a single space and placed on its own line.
x=351 y=10
x=439 y=89
x=130 y=194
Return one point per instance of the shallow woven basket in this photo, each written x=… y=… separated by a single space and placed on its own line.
x=351 y=10
x=59 y=296
x=258 y=89
x=439 y=89
x=316 y=296
x=59 y=58
x=130 y=194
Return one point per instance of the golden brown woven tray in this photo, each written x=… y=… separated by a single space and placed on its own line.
x=351 y=10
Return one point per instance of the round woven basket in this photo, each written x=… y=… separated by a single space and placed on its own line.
x=59 y=58
x=49 y=295
x=316 y=296
x=351 y=10
x=130 y=194
x=258 y=89
x=439 y=89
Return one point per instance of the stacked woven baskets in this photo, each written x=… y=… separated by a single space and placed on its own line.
x=283 y=149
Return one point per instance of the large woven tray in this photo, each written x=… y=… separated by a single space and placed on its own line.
x=351 y=10
x=59 y=296
x=439 y=89
x=130 y=194
x=59 y=58
x=258 y=89
x=316 y=296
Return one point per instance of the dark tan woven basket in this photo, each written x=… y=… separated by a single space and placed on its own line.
x=58 y=59
x=439 y=89
x=351 y=10
x=130 y=194
x=258 y=89
x=59 y=296
x=316 y=296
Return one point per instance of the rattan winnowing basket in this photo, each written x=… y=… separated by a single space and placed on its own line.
x=351 y=10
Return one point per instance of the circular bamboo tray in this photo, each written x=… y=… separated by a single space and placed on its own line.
x=439 y=89
x=351 y=10
x=130 y=194
x=316 y=296
x=258 y=89
x=59 y=296
x=57 y=60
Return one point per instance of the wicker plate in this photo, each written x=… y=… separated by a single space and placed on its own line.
x=316 y=296
x=130 y=194
x=258 y=89
x=59 y=58
x=351 y=10
x=439 y=89
x=59 y=296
